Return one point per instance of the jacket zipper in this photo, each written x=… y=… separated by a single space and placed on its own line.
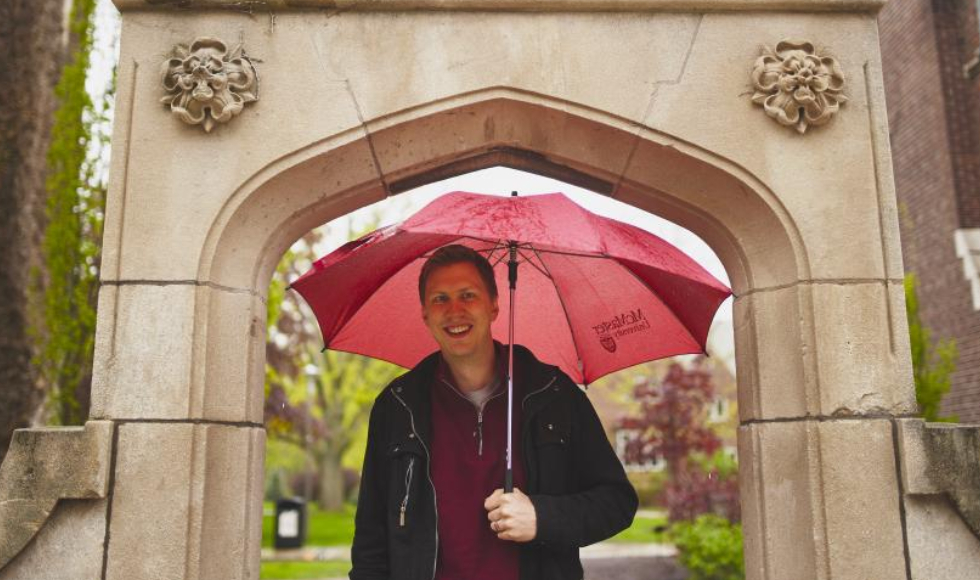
x=408 y=487
x=428 y=463
x=542 y=389
x=479 y=413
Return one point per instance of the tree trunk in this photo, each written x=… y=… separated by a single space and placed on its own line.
x=32 y=53
x=331 y=482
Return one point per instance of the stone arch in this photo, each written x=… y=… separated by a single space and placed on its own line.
x=732 y=210
x=506 y=127
x=742 y=219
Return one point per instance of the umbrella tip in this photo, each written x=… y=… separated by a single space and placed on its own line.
x=513 y=194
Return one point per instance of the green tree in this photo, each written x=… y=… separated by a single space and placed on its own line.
x=32 y=53
x=319 y=399
x=72 y=240
x=932 y=364
x=330 y=407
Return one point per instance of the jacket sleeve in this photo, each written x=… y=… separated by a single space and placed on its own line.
x=606 y=501
x=369 y=552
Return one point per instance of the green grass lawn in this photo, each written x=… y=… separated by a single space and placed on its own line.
x=337 y=529
x=643 y=531
x=324 y=528
x=304 y=570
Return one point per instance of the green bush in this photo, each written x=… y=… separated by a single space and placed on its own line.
x=710 y=548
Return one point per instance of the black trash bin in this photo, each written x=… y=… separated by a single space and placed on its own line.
x=290 y=526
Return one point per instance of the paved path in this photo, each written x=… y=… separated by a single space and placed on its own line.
x=603 y=561
x=600 y=551
x=633 y=568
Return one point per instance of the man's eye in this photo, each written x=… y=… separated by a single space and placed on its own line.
x=438 y=299
x=468 y=295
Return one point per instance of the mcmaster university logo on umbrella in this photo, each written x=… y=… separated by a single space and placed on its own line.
x=619 y=326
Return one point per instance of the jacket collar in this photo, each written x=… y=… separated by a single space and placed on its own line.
x=530 y=374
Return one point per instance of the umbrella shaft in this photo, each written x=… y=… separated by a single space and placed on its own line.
x=509 y=474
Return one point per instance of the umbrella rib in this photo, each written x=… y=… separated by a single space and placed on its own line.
x=544 y=272
x=491 y=251
x=564 y=310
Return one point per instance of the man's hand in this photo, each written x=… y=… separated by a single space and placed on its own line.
x=512 y=516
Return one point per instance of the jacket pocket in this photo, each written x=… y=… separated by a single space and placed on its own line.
x=409 y=472
x=406 y=464
x=553 y=456
x=551 y=432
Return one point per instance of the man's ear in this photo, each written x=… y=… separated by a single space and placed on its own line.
x=495 y=310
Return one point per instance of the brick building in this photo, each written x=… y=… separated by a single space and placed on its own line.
x=932 y=82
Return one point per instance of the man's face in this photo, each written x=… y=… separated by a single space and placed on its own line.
x=459 y=310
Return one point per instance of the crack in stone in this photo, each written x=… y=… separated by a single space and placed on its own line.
x=648 y=110
x=349 y=87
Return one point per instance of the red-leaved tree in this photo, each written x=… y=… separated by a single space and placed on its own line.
x=671 y=426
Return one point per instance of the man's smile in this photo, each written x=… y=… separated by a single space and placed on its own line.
x=459 y=330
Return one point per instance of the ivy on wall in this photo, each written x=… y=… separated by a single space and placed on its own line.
x=72 y=240
x=933 y=362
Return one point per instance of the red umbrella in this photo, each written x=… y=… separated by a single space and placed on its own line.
x=596 y=295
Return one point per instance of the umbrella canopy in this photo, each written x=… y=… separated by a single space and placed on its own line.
x=594 y=295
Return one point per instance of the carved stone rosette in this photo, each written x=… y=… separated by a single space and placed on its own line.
x=797 y=87
x=206 y=84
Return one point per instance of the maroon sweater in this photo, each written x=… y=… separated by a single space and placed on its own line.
x=464 y=476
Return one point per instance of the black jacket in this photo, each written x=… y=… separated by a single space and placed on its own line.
x=574 y=479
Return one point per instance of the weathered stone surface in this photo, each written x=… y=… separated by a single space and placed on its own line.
x=69 y=546
x=200 y=486
x=940 y=543
x=860 y=495
x=777 y=476
x=232 y=349
x=179 y=351
x=772 y=349
x=514 y=5
x=144 y=346
x=731 y=209
x=546 y=54
x=820 y=500
x=827 y=181
x=940 y=458
x=537 y=137
x=45 y=465
x=187 y=187
x=270 y=212
x=843 y=345
x=862 y=349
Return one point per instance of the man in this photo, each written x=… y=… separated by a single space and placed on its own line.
x=430 y=503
